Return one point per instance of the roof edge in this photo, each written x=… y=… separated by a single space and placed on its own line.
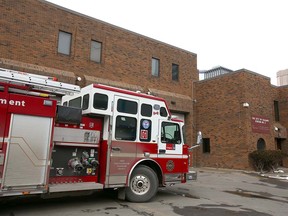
x=114 y=26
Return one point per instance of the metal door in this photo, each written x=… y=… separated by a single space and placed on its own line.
x=124 y=138
x=28 y=152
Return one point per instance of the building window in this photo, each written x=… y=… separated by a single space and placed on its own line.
x=95 y=52
x=175 y=72
x=155 y=67
x=125 y=128
x=261 y=145
x=64 y=42
x=276 y=111
x=206 y=145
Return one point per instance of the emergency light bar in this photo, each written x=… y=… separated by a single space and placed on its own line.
x=39 y=82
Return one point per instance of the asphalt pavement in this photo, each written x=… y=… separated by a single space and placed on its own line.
x=221 y=192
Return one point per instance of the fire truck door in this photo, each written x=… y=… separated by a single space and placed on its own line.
x=124 y=137
x=28 y=150
x=170 y=141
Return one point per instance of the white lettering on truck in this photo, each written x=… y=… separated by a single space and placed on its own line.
x=12 y=102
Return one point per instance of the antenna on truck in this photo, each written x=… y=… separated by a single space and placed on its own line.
x=38 y=82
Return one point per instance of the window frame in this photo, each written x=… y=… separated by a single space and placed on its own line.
x=155 y=68
x=117 y=132
x=171 y=137
x=107 y=101
x=162 y=113
x=62 y=42
x=126 y=109
x=144 y=109
x=276 y=111
x=85 y=101
x=146 y=128
x=97 y=50
x=74 y=100
x=206 y=146
x=261 y=144
x=175 y=77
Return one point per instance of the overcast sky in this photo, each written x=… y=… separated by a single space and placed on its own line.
x=236 y=34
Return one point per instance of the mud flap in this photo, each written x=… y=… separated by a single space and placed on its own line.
x=121 y=193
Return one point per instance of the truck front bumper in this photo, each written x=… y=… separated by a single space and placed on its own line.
x=191 y=176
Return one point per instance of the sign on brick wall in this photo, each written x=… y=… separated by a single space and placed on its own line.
x=260 y=124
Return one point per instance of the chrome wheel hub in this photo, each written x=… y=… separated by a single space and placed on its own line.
x=140 y=184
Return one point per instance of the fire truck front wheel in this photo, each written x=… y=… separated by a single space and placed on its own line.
x=143 y=185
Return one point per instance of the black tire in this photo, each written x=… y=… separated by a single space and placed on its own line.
x=143 y=185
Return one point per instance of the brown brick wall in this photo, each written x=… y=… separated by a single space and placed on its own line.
x=283 y=112
x=28 y=41
x=29 y=33
x=222 y=117
x=29 y=36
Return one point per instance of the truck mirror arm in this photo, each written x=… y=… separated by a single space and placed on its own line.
x=192 y=147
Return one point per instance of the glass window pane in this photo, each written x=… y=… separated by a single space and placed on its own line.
x=125 y=128
x=76 y=102
x=126 y=106
x=175 y=72
x=206 y=145
x=261 y=145
x=95 y=52
x=64 y=42
x=146 y=110
x=145 y=130
x=100 y=101
x=276 y=111
x=85 y=104
x=163 y=112
x=155 y=67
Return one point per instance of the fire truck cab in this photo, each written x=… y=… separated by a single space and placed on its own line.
x=99 y=137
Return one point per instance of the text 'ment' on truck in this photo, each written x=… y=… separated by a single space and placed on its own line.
x=99 y=137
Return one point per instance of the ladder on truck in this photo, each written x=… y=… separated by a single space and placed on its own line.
x=38 y=82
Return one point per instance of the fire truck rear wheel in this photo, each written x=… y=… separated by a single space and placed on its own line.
x=143 y=185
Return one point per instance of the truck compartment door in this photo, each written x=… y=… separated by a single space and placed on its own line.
x=28 y=152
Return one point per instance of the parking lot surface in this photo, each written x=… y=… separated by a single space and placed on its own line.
x=216 y=192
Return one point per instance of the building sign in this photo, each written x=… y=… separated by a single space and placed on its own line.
x=260 y=124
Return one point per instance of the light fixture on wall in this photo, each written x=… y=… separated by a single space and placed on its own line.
x=246 y=105
x=276 y=128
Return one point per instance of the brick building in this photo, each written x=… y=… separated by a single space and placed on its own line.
x=238 y=113
x=40 y=37
x=43 y=38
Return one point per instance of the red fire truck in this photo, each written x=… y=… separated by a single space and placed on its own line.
x=56 y=137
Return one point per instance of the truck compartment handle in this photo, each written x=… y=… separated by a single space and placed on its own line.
x=116 y=149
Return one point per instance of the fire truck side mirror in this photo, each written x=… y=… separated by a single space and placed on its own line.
x=199 y=138
x=199 y=141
